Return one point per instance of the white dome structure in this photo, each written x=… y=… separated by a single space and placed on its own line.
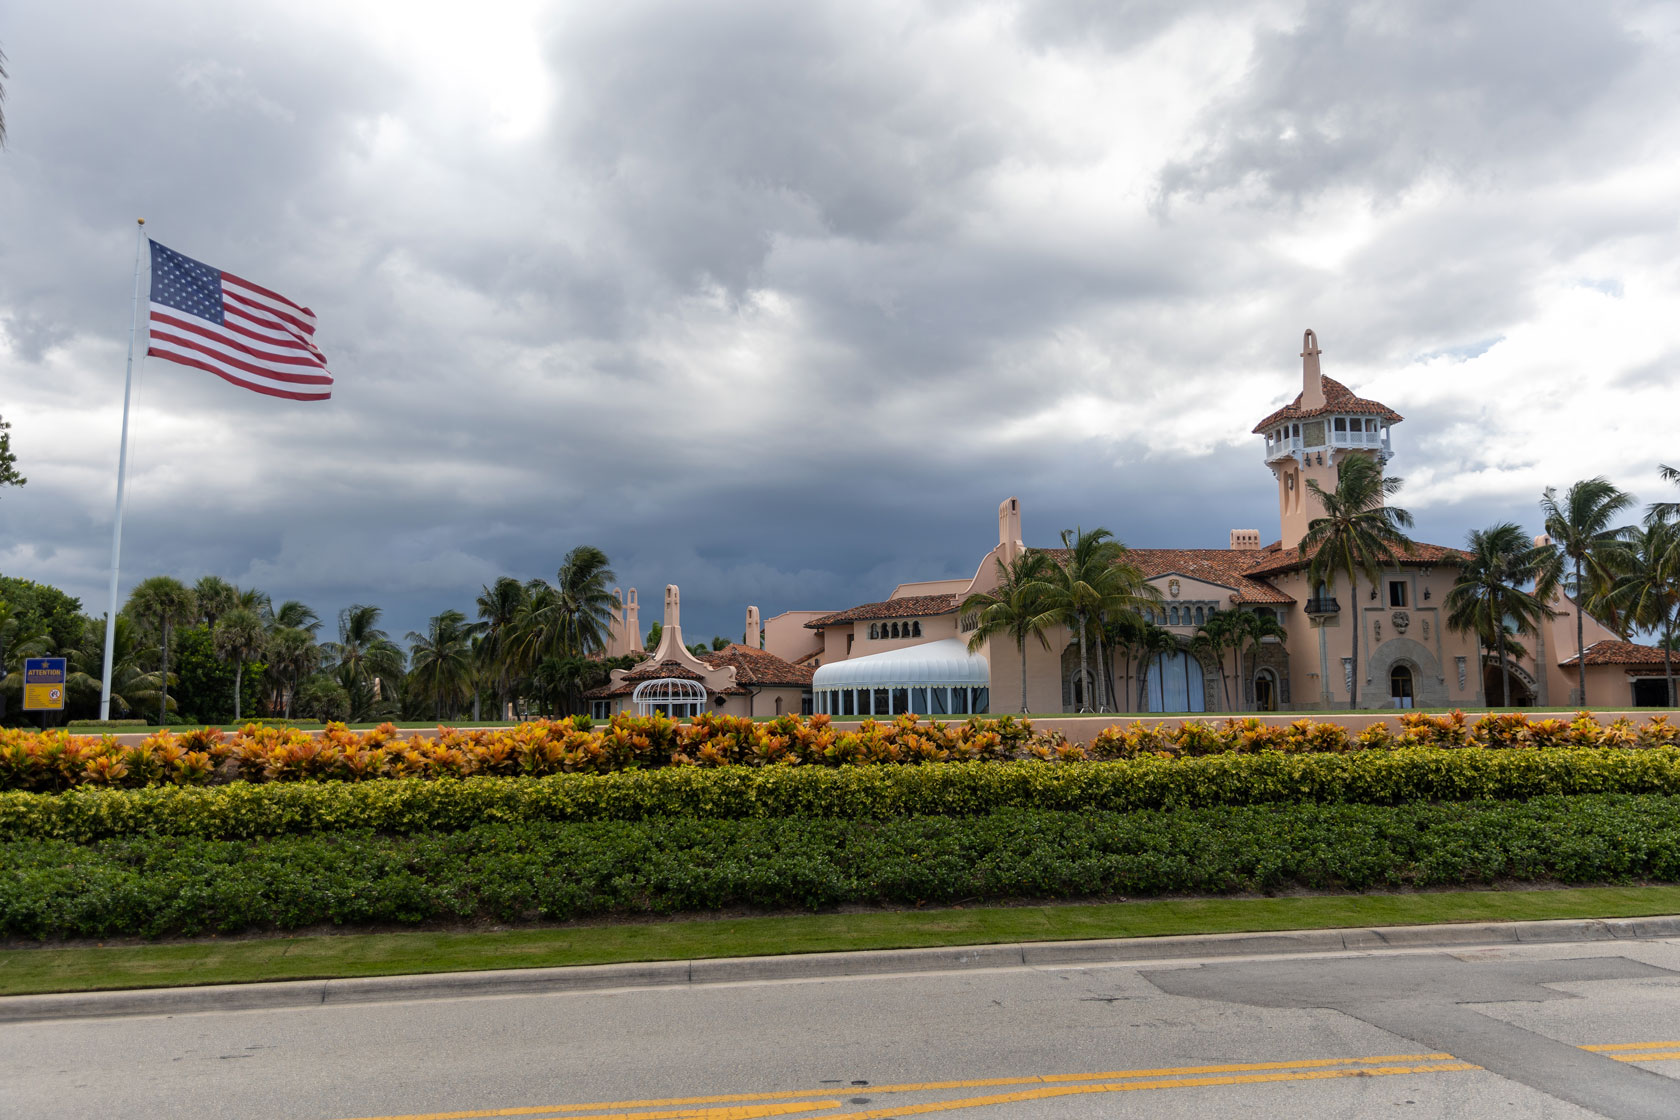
x=935 y=678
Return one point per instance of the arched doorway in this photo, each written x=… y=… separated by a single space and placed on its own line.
x=1175 y=684
x=1265 y=691
x=1493 y=681
x=1400 y=686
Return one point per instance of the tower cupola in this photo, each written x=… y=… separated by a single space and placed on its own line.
x=1308 y=437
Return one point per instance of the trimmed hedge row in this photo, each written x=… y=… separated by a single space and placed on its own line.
x=171 y=885
x=411 y=805
x=51 y=761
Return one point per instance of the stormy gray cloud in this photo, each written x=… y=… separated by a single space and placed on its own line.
x=778 y=301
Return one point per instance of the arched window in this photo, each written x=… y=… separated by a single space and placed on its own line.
x=1172 y=615
x=916 y=629
x=1200 y=617
x=1400 y=686
x=874 y=631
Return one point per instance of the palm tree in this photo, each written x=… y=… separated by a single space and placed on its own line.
x=161 y=603
x=499 y=607
x=131 y=687
x=1665 y=511
x=364 y=653
x=1582 y=527
x=292 y=655
x=1124 y=634
x=1488 y=600
x=1252 y=627
x=1092 y=581
x=215 y=597
x=1156 y=642
x=1018 y=607
x=293 y=615
x=1358 y=534
x=441 y=661
x=239 y=637
x=1648 y=587
x=1218 y=634
x=569 y=618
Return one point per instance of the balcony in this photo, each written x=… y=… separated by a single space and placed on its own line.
x=1323 y=605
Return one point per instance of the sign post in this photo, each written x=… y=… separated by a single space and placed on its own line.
x=43 y=685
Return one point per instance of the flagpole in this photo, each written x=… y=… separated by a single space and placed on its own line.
x=122 y=471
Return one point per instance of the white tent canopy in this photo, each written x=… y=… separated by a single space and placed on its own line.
x=934 y=678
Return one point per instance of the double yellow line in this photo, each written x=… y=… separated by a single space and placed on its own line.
x=750 y=1106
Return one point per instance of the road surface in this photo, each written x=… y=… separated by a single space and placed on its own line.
x=1559 y=1030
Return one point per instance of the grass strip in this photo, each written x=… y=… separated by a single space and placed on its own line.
x=26 y=971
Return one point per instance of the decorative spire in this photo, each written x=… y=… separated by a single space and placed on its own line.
x=1312 y=381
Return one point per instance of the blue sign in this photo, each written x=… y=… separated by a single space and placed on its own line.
x=43 y=684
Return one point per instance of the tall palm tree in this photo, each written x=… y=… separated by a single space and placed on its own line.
x=1665 y=511
x=364 y=653
x=1018 y=608
x=292 y=655
x=239 y=637
x=293 y=615
x=1093 y=580
x=441 y=661
x=1488 y=598
x=1252 y=628
x=1220 y=633
x=1648 y=588
x=161 y=603
x=1359 y=534
x=1122 y=634
x=1582 y=527
x=499 y=607
x=1157 y=641
x=215 y=597
x=570 y=617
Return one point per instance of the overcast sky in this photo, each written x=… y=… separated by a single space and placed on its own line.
x=777 y=301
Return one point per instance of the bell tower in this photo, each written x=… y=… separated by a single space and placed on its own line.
x=1308 y=439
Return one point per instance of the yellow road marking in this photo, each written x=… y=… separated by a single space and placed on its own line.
x=1629 y=1046
x=917 y=1086
x=1132 y=1086
x=759 y=1104
x=746 y=1112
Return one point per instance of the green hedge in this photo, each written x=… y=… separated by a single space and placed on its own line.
x=412 y=805
x=154 y=886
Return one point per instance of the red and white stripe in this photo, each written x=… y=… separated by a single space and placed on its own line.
x=265 y=343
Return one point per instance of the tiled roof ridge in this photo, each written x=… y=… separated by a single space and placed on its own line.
x=1337 y=398
x=910 y=606
x=1422 y=554
x=759 y=666
x=1617 y=651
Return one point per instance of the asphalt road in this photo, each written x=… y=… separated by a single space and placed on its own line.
x=1560 y=1030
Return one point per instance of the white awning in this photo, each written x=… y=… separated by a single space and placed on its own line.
x=945 y=663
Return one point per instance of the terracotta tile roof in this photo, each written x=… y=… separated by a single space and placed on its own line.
x=1337 y=398
x=1226 y=567
x=1275 y=560
x=1613 y=652
x=911 y=606
x=759 y=667
x=651 y=670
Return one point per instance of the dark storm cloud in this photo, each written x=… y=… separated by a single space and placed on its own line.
x=779 y=301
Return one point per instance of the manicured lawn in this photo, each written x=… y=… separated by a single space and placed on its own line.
x=214 y=961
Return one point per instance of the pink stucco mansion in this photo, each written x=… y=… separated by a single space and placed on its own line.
x=909 y=652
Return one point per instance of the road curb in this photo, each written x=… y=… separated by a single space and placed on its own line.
x=819 y=966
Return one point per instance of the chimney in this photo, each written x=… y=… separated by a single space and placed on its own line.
x=1542 y=541
x=671 y=646
x=752 y=636
x=1009 y=528
x=1312 y=384
x=632 y=622
x=1245 y=540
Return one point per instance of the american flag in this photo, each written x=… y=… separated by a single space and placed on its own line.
x=239 y=331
